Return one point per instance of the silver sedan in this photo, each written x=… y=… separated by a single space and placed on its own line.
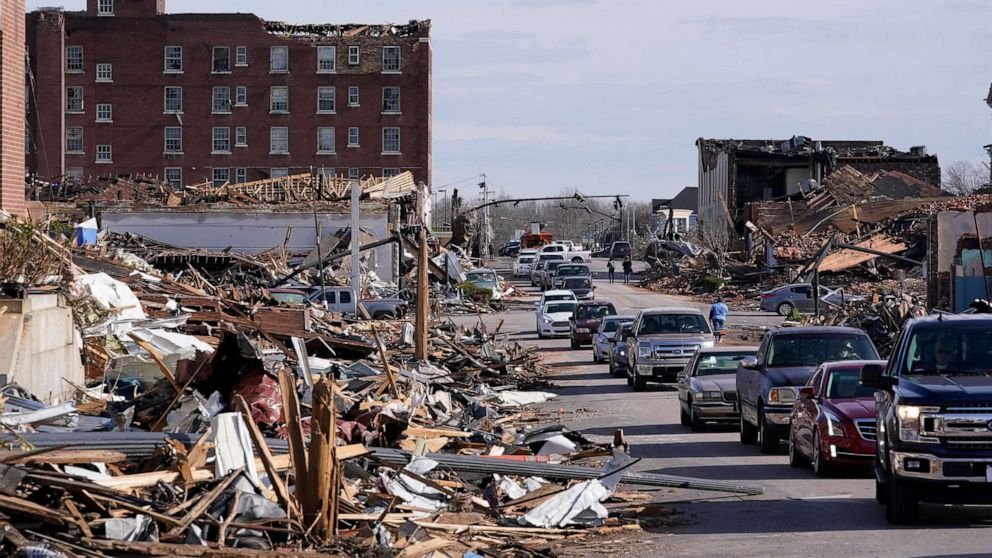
x=602 y=342
x=708 y=386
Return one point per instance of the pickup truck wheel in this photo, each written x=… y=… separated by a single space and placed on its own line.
x=383 y=316
x=640 y=384
x=900 y=509
x=698 y=425
x=881 y=492
x=684 y=417
x=796 y=458
x=766 y=441
x=749 y=434
x=784 y=309
x=821 y=466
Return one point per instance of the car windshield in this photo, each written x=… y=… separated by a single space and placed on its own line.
x=672 y=323
x=719 y=363
x=527 y=259
x=572 y=270
x=959 y=349
x=557 y=307
x=844 y=384
x=591 y=312
x=815 y=349
x=576 y=283
x=554 y=297
x=481 y=276
x=610 y=326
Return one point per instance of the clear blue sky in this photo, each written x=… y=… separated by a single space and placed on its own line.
x=609 y=95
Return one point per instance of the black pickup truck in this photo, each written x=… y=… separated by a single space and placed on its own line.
x=934 y=415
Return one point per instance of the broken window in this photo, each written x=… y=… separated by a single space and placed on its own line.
x=174 y=177
x=104 y=154
x=74 y=59
x=173 y=139
x=221 y=100
x=104 y=112
x=325 y=59
x=173 y=59
x=74 y=175
x=240 y=175
x=326 y=172
x=74 y=99
x=325 y=99
x=279 y=59
x=353 y=96
x=104 y=72
x=279 y=140
x=391 y=59
x=222 y=60
x=353 y=55
x=325 y=140
x=279 y=99
x=241 y=56
x=241 y=96
x=390 y=99
x=105 y=7
x=74 y=139
x=173 y=99
x=390 y=140
x=353 y=137
x=221 y=176
x=241 y=136
x=222 y=140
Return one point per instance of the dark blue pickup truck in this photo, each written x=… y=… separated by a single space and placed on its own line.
x=767 y=384
x=934 y=415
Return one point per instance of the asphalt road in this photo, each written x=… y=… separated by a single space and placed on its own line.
x=799 y=514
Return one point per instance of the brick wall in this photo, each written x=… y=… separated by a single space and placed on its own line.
x=12 y=106
x=924 y=168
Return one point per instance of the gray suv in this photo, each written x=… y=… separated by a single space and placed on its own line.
x=663 y=342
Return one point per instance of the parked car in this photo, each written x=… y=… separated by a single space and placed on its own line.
x=521 y=267
x=833 y=420
x=934 y=412
x=664 y=341
x=565 y=271
x=485 y=279
x=581 y=286
x=553 y=319
x=510 y=248
x=707 y=390
x=605 y=338
x=585 y=320
x=547 y=274
x=619 y=353
x=620 y=249
x=767 y=384
x=574 y=256
x=800 y=296
x=342 y=299
x=555 y=296
x=538 y=267
x=289 y=296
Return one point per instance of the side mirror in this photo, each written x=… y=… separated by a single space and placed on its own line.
x=807 y=393
x=871 y=376
x=750 y=362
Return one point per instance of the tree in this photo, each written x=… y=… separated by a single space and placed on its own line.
x=964 y=177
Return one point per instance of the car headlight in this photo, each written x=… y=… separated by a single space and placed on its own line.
x=710 y=396
x=623 y=352
x=910 y=419
x=644 y=351
x=834 y=425
x=547 y=320
x=581 y=330
x=707 y=344
x=782 y=395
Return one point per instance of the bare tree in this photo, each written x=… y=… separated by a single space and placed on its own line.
x=964 y=177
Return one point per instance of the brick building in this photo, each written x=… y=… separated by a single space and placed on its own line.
x=12 y=106
x=126 y=88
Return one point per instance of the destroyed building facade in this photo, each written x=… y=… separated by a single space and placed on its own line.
x=126 y=88
x=736 y=173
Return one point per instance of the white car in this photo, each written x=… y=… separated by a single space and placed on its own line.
x=554 y=319
x=521 y=267
x=574 y=256
x=555 y=296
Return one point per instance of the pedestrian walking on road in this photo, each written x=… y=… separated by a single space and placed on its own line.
x=718 y=315
x=610 y=268
x=628 y=267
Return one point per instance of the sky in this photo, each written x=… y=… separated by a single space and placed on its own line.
x=609 y=96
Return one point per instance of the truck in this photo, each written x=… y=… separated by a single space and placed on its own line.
x=663 y=342
x=934 y=415
x=768 y=383
x=574 y=256
x=342 y=299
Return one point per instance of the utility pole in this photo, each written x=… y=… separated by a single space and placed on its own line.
x=423 y=293
x=484 y=236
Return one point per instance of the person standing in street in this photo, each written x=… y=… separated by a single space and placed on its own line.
x=610 y=268
x=718 y=316
x=628 y=267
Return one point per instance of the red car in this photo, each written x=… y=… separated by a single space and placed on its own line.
x=833 y=419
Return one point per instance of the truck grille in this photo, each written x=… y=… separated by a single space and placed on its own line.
x=676 y=351
x=968 y=407
x=867 y=428
x=962 y=443
x=730 y=395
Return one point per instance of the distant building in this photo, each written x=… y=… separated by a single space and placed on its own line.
x=125 y=88
x=12 y=107
x=683 y=211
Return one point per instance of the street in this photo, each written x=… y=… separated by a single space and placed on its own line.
x=799 y=514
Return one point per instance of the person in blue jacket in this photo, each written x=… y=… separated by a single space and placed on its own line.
x=718 y=316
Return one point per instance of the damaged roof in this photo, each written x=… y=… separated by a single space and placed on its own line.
x=804 y=146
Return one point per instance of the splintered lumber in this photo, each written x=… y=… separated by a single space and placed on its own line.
x=144 y=480
x=294 y=430
x=190 y=550
x=204 y=503
x=422 y=548
x=265 y=456
x=845 y=259
x=30 y=509
x=63 y=457
x=385 y=365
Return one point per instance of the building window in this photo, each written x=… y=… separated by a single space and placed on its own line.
x=353 y=55
x=391 y=99
x=105 y=72
x=221 y=176
x=390 y=140
x=105 y=8
x=241 y=96
x=386 y=173
x=278 y=172
x=74 y=175
x=241 y=136
x=279 y=99
x=174 y=177
x=173 y=139
x=353 y=96
x=104 y=154
x=221 y=100
x=279 y=141
x=222 y=60
x=241 y=56
x=74 y=59
x=74 y=140
x=74 y=99
x=240 y=175
x=353 y=137
x=391 y=59
x=104 y=112
x=279 y=59
x=325 y=59
x=222 y=141
x=326 y=172
x=352 y=173
x=325 y=100
x=173 y=99
x=173 y=60
x=325 y=140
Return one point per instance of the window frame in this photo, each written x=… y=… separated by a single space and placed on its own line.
x=214 y=139
x=71 y=69
x=82 y=146
x=333 y=146
x=241 y=136
x=399 y=60
x=108 y=119
x=333 y=99
x=167 y=139
x=81 y=98
x=168 y=180
x=357 y=175
x=321 y=59
x=272 y=59
x=166 y=58
x=214 y=179
x=389 y=172
x=272 y=172
x=358 y=99
x=165 y=99
x=102 y=150
x=214 y=99
x=101 y=8
x=272 y=101
x=399 y=146
x=240 y=56
x=272 y=140
x=354 y=55
x=240 y=95
x=213 y=60
x=110 y=73
x=240 y=175
x=399 y=106
x=357 y=134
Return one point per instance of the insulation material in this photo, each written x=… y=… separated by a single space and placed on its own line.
x=110 y=294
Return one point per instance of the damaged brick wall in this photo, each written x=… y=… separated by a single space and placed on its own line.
x=12 y=107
